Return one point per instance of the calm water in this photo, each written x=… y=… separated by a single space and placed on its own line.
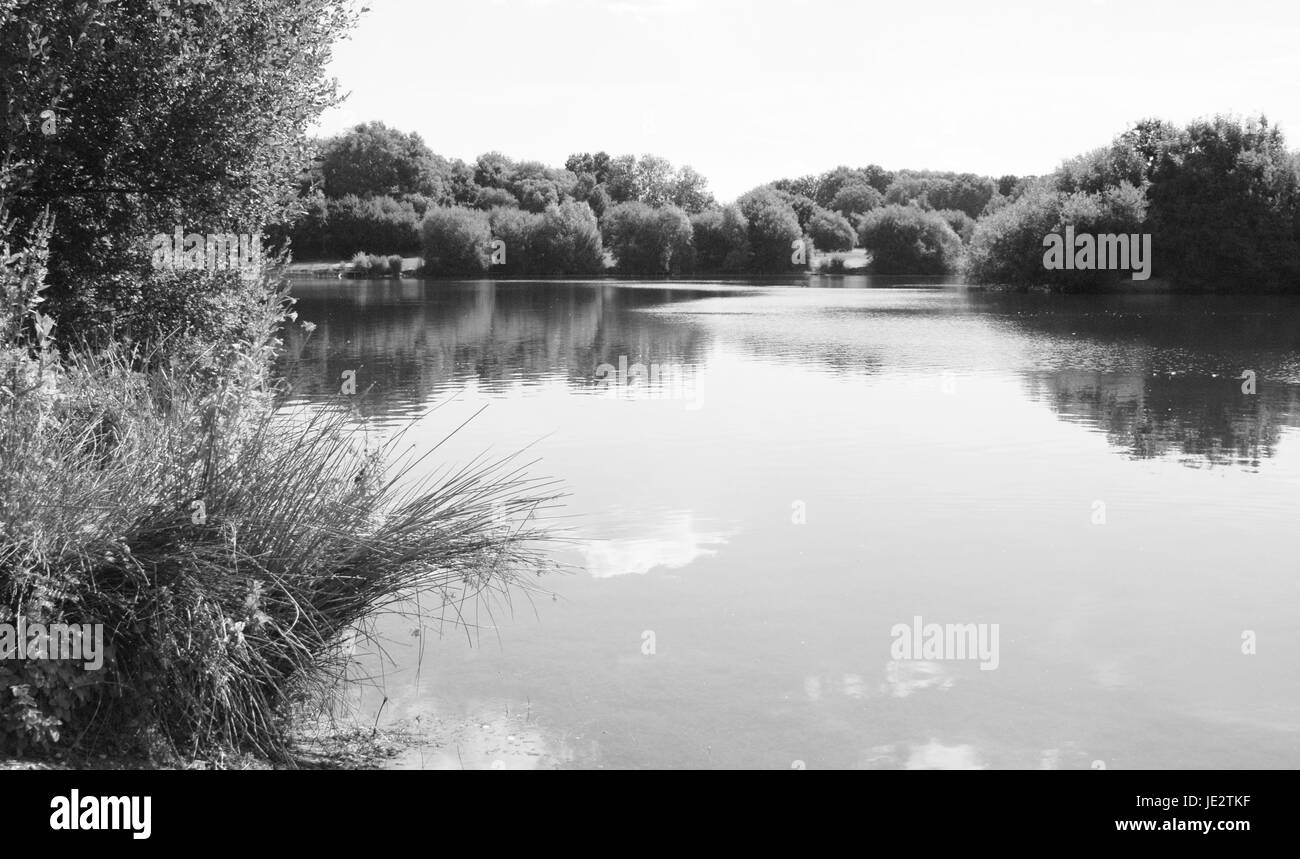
x=832 y=460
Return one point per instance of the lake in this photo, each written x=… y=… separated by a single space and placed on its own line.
x=811 y=463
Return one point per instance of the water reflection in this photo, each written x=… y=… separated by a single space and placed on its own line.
x=1161 y=375
x=672 y=541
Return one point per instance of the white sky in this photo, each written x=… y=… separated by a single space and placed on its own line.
x=747 y=91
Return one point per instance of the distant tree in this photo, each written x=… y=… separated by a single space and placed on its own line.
x=654 y=180
x=804 y=186
x=721 y=240
x=599 y=200
x=495 y=198
x=830 y=182
x=690 y=191
x=536 y=195
x=803 y=207
x=493 y=170
x=379 y=225
x=1225 y=206
x=935 y=190
x=621 y=180
x=456 y=241
x=372 y=159
x=909 y=240
x=773 y=227
x=831 y=231
x=571 y=240
x=520 y=231
x=962 y=224
x=585 y=162
x=856 y=199
x=648 y=240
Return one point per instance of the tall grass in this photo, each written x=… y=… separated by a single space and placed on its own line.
x=220 y=619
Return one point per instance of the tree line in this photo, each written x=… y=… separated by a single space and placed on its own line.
x=1218 y=196
x=375 y=189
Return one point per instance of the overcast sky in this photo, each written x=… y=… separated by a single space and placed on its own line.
x=747 y=91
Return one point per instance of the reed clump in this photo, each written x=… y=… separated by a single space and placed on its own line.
x=230 y=545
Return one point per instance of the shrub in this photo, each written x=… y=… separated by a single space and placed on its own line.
x=1225 y=206
x=520 y=231
x=381 y=224
x=831 y=231
x=495 y=198
x=571 y=240
x=908 y=240
x=773 y=228
x=856 y=199
x=721 y=240
x=1007 y=246
x=648 y=240
x=962 y=224
x=456 y=241
x=370 y=265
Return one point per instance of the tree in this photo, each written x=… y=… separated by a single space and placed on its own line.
x=571 y=240
x=372 y=159
x=654 y=180
x=721 y=240
x=495 y=198
x=1225 y=206
x=773 y=228
x=456 y=241
x=585 y=162
x=493 y=170
x=193 y=113
x=855 y=199
x=831 y=231
x=805 y=186
x=646 y=240
x=909 y=240
x=690 y=191
x=621 y=179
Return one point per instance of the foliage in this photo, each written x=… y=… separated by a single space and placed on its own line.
x=456 y=241
x=721 y=240
x=648 y=240
x=773 y=228
x=831 y=231
x=187 y=114
x=909 y=240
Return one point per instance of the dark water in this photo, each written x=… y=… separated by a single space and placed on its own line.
x=816 y=464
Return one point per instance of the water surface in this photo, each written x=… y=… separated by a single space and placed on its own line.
x=823 y=460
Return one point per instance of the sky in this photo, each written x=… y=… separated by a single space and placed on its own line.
x=747 y=91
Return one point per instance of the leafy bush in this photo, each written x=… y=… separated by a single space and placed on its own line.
x=928 y=189
x=962 y=224
x=370 y=265
x=855 y=199
x=908 y=240
x=456 y=241
x=381 y=224
x=1008 y=248
x=773 y=228
x=831 y=231
x=571 y=240
x=721 y=240
x=495 y=198
x=1225 y=206
x=648 y=240
x=520 y=230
